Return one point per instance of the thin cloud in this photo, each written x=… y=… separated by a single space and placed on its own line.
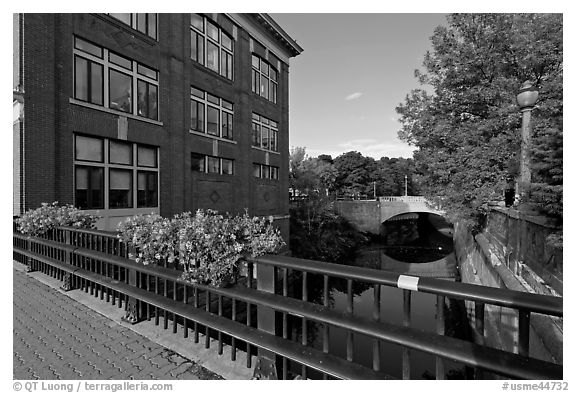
x=353 y=96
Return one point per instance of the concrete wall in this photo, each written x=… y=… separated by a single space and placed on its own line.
x=483 y=260
x=364 y=215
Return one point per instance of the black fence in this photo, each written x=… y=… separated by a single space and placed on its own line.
x=257 y=315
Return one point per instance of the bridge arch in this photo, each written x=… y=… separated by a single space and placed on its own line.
x=394 y=206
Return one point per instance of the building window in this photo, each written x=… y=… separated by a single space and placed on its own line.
x=263 y=171
x=89 y=187
x=104 y=78
x=211 y=164
x=264 y=133
x=211 y=46
x=264 y=79
x=218 y=113
x=108 y=171
x=144 y=23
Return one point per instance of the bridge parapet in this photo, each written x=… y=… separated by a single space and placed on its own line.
x=405 y=199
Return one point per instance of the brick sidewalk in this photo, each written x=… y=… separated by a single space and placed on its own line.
x=56 y=337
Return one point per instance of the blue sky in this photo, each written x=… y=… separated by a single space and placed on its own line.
x=355 y=69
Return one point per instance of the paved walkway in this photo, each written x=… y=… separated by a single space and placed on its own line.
x=56 y=337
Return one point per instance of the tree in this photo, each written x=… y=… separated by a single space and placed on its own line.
x=467 y=129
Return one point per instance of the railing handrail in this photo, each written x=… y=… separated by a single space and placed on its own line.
x=471 y=354
x=544 y=304
x=532 y=302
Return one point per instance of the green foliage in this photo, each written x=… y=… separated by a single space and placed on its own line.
x=467 y=129
x=38 y=221
x=309 y=174
x=317 y=232
x=206 y=244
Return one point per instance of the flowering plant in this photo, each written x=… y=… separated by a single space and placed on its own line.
x=206 y=244
x=51 y=215
x=152 y=237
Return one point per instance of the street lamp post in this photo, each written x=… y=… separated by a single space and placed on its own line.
x=526 y=99
x=405 y=185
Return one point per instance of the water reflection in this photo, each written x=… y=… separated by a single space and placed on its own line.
x=419 y=236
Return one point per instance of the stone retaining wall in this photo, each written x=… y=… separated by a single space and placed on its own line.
x=512 y=253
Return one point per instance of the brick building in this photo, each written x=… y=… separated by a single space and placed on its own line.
x=124 y=114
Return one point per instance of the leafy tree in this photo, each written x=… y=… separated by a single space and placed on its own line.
x=468 y=128
x=354 y=173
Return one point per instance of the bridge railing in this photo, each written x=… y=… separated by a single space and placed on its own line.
x=258 y=316
x=405 y=199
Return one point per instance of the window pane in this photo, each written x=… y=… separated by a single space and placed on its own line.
x=197 y=116
x=229 y=66
x=255 y=62
x=141 y=24
x=265 y=172
x=81 y=79
x=82 y=187
x=89 y=187
x=255 y=134
x=227 y=167
x=120 y=188
x=152 y=102
x=198 y=162
x=212 y=121
x=255 y=82
x=88 y=47
x=152 y=25
x=274 y=173
x=264 y=120
x=120 y=153
x=273 y=74
x=226 y=41
x=197 y=21
x=96 y=83
x=226 y=125
x=212 y=31
x=213 y=165
x=212 y=57
x=96 y=198
x=149 y=72
x=213 y=99
x=273 y=92
x=196 y=92
x=147 y=156
x=193 y=45
x=147 y=195
x=273 y=140
x=264 y=68
x=125 y=17
x=227 y=105
x=264 y=86
x=89 y=149
x=265 y=136
x=120 y=91
x=147 y=100
x=119 y=60
x=256 y=170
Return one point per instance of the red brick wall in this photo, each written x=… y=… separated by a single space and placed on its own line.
x=51 y=120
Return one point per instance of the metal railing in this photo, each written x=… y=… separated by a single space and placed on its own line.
x=258 y=315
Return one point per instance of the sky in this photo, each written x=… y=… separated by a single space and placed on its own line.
x=354 y=71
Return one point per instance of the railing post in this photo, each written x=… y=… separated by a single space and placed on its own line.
x=29 y=268
x=67 y=282
x=133 y=310
x=266 y=362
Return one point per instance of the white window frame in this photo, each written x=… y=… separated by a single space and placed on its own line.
x=107 y=66
x=221 y=109
x=272 y=125
x=134 y=23
x=221 y=167
x=134 y=168
x=221 y=48
x=270 y=81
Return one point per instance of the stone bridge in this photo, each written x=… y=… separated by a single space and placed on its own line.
x=369 y=215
